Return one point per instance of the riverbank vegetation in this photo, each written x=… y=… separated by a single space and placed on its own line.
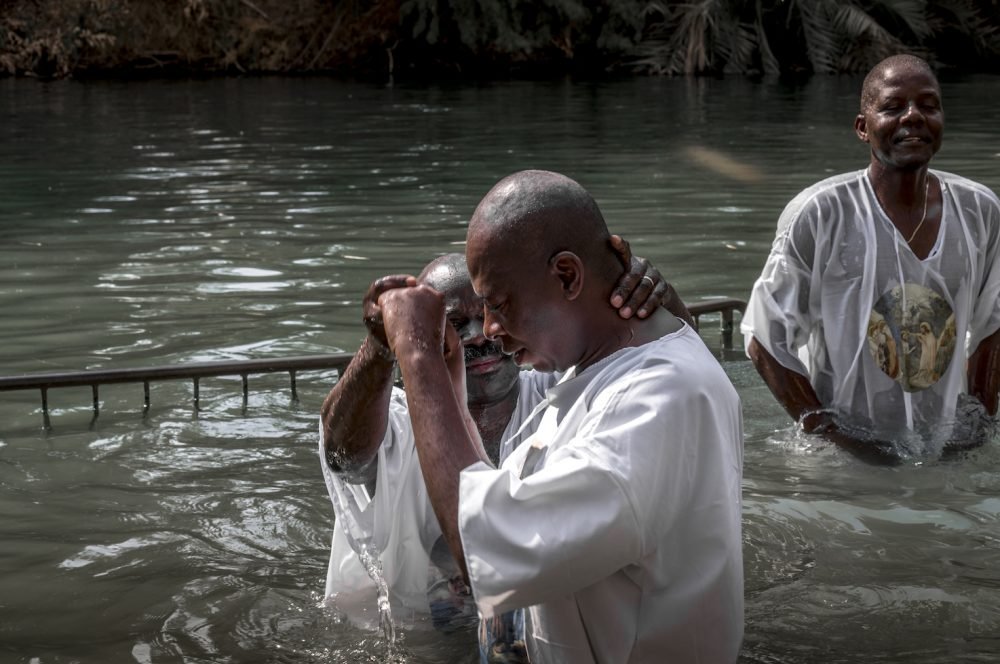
x=384 y=39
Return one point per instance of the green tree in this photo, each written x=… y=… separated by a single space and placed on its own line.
x=819 y=36
x=380 y=38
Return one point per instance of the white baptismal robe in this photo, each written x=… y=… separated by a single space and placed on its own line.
x=882 y=334
x=398 y=522
x=618 y=522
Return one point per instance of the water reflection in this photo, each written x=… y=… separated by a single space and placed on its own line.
x=208 y=220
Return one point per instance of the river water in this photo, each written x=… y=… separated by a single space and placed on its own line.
x=166 y=222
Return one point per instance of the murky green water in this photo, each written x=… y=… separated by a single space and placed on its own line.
x=156 y=223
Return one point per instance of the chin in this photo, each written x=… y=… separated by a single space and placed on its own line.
x=536 y=364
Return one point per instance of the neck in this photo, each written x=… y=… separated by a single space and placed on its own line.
x=911 y=201
x=897 y=188
x=492 y=416
x=629 y=333
x=614 y=338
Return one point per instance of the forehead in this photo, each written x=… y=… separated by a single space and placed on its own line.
x=906 y=80
x=452 y=281
x=488 y=269
x=459 y=298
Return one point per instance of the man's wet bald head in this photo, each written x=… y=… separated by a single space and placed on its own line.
x=445 y=273
x=530 y=215
x=903 y=63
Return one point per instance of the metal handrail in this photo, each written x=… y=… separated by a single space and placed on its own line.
x=724 y=306
x=196 y=370
x=191 y=371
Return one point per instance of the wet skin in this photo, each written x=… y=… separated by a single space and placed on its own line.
x=490 y=374
x=904 y=121
x=507 y=294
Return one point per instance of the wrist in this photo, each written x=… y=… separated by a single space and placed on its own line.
x=415 y=353
x=378 y=350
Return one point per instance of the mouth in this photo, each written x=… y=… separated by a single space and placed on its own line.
x=483 y=363
x=913 y=140
x=483 y=359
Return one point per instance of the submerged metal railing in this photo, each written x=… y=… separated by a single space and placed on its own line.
x=725 y=308
x=195 y=371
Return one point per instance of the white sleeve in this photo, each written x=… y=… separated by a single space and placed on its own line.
x=549 y=534
x=593 y=508
x=778 y=314
x=986 y=308
x=354 y=510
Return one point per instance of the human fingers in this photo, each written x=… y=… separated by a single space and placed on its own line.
x=654 y=298
x=625 y=285
x=634 y=287
x=413 y=316
x=383 y=284
x=371 y=312
x=621 y=247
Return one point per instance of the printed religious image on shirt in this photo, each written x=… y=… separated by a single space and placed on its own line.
x=911 y=336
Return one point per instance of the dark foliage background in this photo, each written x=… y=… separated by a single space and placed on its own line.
x=378 y=39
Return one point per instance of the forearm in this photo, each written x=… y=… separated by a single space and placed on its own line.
x=355 y=412
x=984 y=372
x=796 y=394
x=792 y=390
x=445 y=446
x=455 y=362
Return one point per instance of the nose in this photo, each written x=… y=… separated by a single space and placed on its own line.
x=912 y=113
x=471 y=333
x=491 y=326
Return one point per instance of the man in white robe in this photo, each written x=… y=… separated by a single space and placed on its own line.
x=371 y=468
x=618 y=522
x=896 y=248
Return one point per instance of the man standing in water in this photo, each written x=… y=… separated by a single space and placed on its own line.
x=897 y=248
x=370 y=464
x=617 y=523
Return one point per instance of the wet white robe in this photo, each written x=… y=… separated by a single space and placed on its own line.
x=882 y=336
x=618 y=522
x=398 y=523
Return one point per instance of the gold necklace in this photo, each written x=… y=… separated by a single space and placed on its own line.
x=923 y=217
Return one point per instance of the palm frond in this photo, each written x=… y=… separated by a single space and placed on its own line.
x=819 y=32
x=912 y=14
x=866 y=41
x=768 y=61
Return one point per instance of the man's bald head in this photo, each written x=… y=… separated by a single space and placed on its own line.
x=903 y=63
x=445 y=273
x=531 y=215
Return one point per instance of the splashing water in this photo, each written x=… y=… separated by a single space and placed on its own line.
x=373 y=565
x=360 y=540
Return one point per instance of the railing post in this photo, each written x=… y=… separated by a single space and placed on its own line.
x=727 y=329
x=46 y=423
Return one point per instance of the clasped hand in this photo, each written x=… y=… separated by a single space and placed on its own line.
x=412 y=319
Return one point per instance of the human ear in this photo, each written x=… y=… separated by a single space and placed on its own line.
x=861 y=127
x=568 y=269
